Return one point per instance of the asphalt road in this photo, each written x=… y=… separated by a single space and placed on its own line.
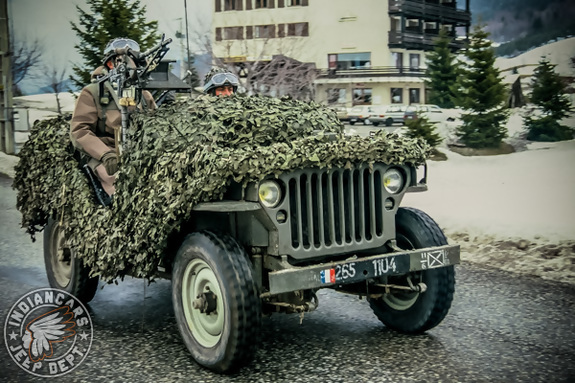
x=501 y=328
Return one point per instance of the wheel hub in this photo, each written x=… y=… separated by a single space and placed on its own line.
x=206 y=302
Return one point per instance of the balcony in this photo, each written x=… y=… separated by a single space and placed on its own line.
x=427 y=11
x=418 y=40
x=371 y=72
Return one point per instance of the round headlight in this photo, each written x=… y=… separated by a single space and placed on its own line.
x=393 y=181
x=270 y=193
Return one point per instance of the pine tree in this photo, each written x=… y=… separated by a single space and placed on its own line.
x=482 y=94
x=108 y=20
x=549 y=91
x=423 y=128
x=442 y=70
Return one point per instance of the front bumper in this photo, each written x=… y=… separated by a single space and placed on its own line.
x=355 y=270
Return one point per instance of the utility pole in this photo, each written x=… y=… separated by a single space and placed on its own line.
x=187 y=34
x=6 y=125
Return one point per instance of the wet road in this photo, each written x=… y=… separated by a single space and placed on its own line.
x=501 y=328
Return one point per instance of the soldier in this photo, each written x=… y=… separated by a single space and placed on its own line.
x=97 y=121
x=220 y=82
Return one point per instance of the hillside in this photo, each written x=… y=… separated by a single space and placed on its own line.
x=520 y=25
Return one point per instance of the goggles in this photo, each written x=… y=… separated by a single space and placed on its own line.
x=120 y=44
x=221 y=79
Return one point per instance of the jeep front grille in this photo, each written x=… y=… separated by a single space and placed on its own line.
x=336 y=210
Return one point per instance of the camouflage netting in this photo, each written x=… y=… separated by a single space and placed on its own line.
x=180 y=155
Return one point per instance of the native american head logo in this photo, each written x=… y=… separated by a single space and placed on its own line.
x=51 y=327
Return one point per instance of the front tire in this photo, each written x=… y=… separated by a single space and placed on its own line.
x=64 y=270
x=413 y=312
x=216 y=302
x=389 y=122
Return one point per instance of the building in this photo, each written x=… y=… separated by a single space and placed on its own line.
x=362 y=51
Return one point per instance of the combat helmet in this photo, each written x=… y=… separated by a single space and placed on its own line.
x=217 y=77
x=119 y=43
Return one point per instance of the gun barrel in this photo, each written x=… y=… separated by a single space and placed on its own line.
x=154 y=49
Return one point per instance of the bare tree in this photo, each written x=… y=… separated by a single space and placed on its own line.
x=57 y=80
x=260 y=73
x=25 y=56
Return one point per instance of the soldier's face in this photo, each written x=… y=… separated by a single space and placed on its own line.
x=224 y=91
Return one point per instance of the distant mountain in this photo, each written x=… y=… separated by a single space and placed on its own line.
x=519 y=25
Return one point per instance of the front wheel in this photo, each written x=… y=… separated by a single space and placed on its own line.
x=389 y=121
x=414 y=312
x=216 y=302
x=64 y=270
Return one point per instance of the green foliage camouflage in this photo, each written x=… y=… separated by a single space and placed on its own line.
x=177 y=156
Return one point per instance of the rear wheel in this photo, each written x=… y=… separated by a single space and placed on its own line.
x=389 y=122
x=216 y=303
x=409 y=311
x=352 y=122
x=375 y=123
x=64 y=270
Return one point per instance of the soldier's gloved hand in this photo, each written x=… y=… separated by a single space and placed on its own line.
x=110 y=162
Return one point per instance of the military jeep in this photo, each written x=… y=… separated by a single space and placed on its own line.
x=249 y=205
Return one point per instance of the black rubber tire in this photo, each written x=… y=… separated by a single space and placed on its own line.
x=416 y=230
x=77 y=281
x=375 y=123
x=238 y=340
x=389 y=122
x=352 y=122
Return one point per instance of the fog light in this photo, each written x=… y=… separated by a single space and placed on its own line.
x=281 y=216
x=389 y=203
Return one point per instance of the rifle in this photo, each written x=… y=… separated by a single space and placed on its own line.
x=128 y=81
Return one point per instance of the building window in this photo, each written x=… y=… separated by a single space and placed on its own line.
x=232 y=5
x=233 y=33
x=414 y=95
x=335 y=96
x=397 y=58
x=361 y=96
x=291 y=3
x=396 y=95
x=264 y=31
x=298 y=29
x=414 y=61
x=261 y=4
x=342 y=61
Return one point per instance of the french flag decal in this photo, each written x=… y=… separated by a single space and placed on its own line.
x=327 y=276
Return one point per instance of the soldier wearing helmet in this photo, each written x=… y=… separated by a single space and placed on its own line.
x=220 y=82
x=96 y=121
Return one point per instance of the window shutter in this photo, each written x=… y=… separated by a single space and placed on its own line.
x=281 y=30
x=239 y=5
x=280 y=3
x=304 y=3
x=305 y=31
x=272 y=31
x=248 y=5
x=218 y=5
x=249 y=32
x=271 y=4
x=291 y=30
x=240 y=33
x=218 y=34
